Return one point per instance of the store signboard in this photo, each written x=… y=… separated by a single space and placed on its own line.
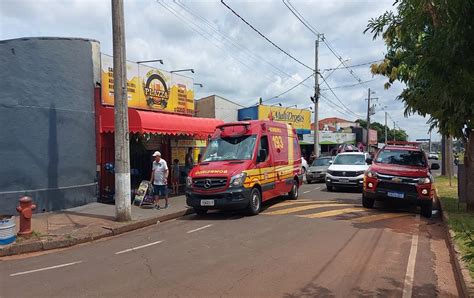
x=373 y=136
x=298 y=118
x=188 y=143
x=331 y=138
x=150 y=88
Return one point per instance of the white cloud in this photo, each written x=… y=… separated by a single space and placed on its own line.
x=229 y=58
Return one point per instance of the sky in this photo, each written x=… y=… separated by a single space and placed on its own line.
x=233 y=61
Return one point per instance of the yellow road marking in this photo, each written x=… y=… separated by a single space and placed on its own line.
x=303 y=208
x=377 y=217
x=331 y=213
x=289 y=203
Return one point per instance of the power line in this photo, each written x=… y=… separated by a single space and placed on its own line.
x=266 y=38
x=353 y=66
x=351 y=85
x=196 y=28
x=332 y=91
x=311 y=75
x=307 y=24
x=248 y=52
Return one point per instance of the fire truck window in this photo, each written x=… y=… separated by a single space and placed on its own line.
x=264 y=145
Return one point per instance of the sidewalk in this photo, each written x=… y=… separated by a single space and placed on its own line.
x=87 y=223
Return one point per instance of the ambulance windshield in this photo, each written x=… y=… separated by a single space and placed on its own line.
x=230 y=148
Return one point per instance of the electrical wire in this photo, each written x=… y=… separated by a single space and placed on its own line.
x=283 y=93
x=333 y=93
x=351 y=85
x=235 y=43
x=266 y=38
x=353 y=66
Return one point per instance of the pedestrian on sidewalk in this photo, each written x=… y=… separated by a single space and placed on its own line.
x=159 y=178
x=175 y=176
x=189 y=161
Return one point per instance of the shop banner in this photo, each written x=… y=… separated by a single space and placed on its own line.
x=149 y=88
x=331 y=138
x=298 y=118
x=188 y=143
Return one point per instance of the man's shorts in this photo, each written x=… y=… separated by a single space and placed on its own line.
x=160 y=190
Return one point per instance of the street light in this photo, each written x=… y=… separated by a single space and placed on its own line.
x=198 y=84
x=147 y=61
x=180 y=70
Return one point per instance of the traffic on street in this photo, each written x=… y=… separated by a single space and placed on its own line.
x=323 y=244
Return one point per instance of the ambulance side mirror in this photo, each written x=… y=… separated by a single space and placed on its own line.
x=262 y=155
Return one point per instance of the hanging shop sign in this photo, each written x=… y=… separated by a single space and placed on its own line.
x=330 y=138
x=298 y=118
x=149 y=88
x=189 y=143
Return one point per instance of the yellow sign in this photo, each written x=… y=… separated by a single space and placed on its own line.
x=149 y=88
x=298 y=118
x=189 y=143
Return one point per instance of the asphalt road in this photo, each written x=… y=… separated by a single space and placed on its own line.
x=324 y=244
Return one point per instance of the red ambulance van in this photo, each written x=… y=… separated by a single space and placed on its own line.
x=246 y=163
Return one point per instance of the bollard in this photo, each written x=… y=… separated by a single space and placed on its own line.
x=26 y=212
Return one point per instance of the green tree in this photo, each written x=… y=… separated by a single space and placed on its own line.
x=392 y=134
x=430 y=48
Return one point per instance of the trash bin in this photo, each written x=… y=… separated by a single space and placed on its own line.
x=7 y=230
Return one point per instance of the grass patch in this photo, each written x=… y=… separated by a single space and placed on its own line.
x=460 y=222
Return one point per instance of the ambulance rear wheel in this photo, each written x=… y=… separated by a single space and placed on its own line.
x=255 y=202
x=293 y=194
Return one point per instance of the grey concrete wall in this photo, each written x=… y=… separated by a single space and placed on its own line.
x=47 y=128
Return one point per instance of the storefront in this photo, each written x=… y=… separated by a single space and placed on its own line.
x=161 y=108
x=329 y=141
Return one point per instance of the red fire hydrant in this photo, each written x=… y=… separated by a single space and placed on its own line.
x=26 y=212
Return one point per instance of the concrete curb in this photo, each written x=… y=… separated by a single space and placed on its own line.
x=462 y=274
x=42 y=245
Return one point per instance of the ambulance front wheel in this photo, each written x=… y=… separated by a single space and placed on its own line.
x=255 y=202
x=293 y=194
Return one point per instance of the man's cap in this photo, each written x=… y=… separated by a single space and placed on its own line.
x=157 y=153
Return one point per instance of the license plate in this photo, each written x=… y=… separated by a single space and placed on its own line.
x=343 y=180
x=207 y=202
x=399 y=195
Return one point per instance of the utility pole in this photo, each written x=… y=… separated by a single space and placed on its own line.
x=394 y=131
x=386 y=128
x=316 y=98
x=121 y=139
x=368 y=121
x=429 y=144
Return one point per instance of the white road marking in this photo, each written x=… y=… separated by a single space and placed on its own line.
x=46 y=268
x=316 y=188
x=198 y=229
x=307 y=191
x=138 y=247
x=408 y=285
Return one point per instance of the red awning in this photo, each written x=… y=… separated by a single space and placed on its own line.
x=161 y=123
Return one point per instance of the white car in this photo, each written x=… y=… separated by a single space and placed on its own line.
x=347 y=170
x=304 y=165
x=433 y=155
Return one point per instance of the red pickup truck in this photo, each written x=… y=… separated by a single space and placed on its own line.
x=400 y=173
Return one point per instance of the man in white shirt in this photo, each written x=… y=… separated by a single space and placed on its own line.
x=159 y=178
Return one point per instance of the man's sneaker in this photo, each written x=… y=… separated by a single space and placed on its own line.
x=166 y=206
x=157 y=207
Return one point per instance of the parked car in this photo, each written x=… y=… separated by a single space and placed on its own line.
x=245 y=164
x=304 y=165
x=433 y=155
x=347 y=170
x=400 y=173
x=317 y=170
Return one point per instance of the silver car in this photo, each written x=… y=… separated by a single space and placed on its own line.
x=317 y=170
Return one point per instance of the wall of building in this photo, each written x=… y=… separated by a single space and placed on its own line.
x=47 y=118
x=217 y=107
x=205 y=107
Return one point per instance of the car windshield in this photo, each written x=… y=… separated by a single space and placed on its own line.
x=321 y=162
x=350 y=159
x=402 y=157
x=230 y=148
